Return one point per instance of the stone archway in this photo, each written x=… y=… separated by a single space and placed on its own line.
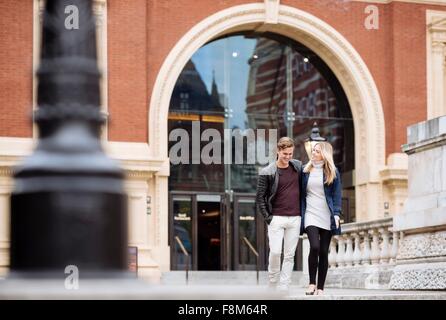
x=325 y=41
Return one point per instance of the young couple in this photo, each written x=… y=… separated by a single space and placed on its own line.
x=296 y=199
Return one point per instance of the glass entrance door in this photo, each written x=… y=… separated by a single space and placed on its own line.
x=213 y=232
x=182 y=218
x=248 y=226
x=198 y=220
x=209 y=231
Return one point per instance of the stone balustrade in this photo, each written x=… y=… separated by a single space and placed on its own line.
x=363 y=256
x=364 y=243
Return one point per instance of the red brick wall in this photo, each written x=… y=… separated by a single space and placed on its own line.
x=409 y=59
x=127 y=70
x=16 y=62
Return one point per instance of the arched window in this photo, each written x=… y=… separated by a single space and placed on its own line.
x=252 y=81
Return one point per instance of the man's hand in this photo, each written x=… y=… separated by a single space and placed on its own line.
x=337 y=220
x=269 y=219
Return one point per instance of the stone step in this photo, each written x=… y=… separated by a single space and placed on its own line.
x=138 y=289
x=224 y=277
x=297 y=293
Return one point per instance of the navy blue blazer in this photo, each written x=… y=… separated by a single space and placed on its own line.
x=333 y=195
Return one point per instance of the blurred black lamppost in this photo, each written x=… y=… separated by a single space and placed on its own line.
x=312 y=139
x=68 y=206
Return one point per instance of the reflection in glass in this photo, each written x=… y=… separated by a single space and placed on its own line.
x=182 y=222
x=250 y=82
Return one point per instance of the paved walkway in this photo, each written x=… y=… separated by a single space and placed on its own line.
x=298 y=293
x=136 y=289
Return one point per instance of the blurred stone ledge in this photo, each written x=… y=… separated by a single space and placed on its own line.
x=129 y=289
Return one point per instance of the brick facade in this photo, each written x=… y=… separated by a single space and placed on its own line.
x=141 y=34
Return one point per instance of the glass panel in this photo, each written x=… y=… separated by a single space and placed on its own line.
x=209 y=244
x=182 y=222
x=248 y=82
x=247 y=228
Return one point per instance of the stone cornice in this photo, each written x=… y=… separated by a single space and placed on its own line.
x=426 y=2
x=6 y=171
x=389 y=175
x=425 y=144
x=134 y=158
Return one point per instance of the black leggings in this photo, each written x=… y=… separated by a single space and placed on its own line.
x=318 y=257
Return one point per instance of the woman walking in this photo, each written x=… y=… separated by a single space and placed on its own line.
x=320 y=209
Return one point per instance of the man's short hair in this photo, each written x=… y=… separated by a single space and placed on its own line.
x=285 y=142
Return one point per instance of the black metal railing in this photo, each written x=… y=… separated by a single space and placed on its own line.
x=250 y=246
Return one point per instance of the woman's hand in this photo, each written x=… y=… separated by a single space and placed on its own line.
x=337 y=220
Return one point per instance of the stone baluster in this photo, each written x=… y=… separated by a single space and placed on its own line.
x=394 y=251
x=341 y=250
x=348 y=257
x=375 y=254
x=365 y=257
x=385 y=253
x=357 y=250
x=332 y=255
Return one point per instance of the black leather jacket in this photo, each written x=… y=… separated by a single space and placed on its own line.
x=267 y=188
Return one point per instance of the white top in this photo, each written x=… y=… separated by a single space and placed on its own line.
x=317 y=212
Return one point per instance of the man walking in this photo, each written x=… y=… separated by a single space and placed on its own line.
x=278 y=200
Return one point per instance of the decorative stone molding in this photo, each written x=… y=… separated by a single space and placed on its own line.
x=423 y=245
x=426 y=2
x=436 y=71
x=394 y=179
x=421 y=258
x=272 y=11
x=5 y=171
x=423 y=276
x=324 y=40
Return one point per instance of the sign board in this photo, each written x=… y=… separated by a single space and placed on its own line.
x=133 y=259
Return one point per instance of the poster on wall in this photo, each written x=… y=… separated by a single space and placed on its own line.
x=133 y=259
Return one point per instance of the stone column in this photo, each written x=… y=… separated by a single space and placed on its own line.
x=5 y=191
x=332 y=254
x=341 y=252
x=438 y=100
x=394 y=252
x=385 y=253
x=421 y=258
x=375 y=254
x=357 y=250
x=365 y=258
x=348 y=257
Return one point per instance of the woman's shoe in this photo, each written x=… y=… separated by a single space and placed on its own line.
x=311 y=290
x=319 y=292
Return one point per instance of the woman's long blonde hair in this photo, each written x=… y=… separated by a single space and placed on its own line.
x=327 y=156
